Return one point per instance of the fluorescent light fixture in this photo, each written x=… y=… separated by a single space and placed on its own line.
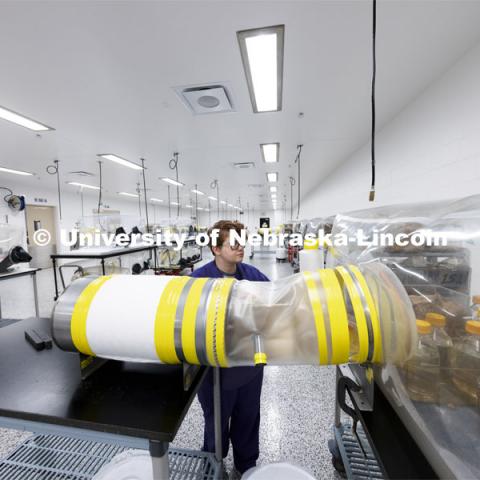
x=188 y=206
x=83 y=185
x=272 y=177
x=223 y=202
x=198 y=192
x=273 y=189
x=156 y=200
x=274 y=195
x=126 y=194
x=229 y=204
x=172 y=181
x=270 y=152
x=213 y=198
x=16 y=172
x=199 y=208
x=262 y=57
x=207 y=209
x=174 y=203
x=18 y=119
x=119 y=160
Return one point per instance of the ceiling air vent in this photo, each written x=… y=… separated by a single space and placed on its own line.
x=244 y=165
x=201 y=99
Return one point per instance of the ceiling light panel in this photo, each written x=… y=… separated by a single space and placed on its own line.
x=172 y=181
x=16 y=172
x=273 y=189
x=126 y=194
x=18 y=119
x=270 y=152
x=262 y=56
x=272 y=177
x=156 y=200
x=83 y=185
x=213 y=198
x=119 y=160
x=198 y=192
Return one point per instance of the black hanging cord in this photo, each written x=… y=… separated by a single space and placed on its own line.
x=292 y=183
x=101 y=187
x=173 y=164
x=169 y=204
x=297 y=161
x=374 y=74
x=145 y=193
x=8 y=195
x=54 y=170
x=214 y=185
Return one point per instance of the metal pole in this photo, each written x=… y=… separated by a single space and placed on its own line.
x=169 y=206
x=217 y=414
x=196 y=205
x=145 y=193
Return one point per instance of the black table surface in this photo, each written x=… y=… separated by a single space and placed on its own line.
x=140 y=400
x=107 y=253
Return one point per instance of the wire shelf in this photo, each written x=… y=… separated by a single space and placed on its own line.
x=53 y=457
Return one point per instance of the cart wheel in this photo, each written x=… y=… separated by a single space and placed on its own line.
x=337 y=461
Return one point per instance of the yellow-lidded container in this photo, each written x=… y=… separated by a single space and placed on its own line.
x=473 y=327
x=436 y=319
x=424 y=327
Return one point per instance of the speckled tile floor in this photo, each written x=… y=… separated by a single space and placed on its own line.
x=297 y=402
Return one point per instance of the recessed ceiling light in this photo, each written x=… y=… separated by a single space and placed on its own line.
x=16 y=172
x=223 y=202
x=274 y=195
x=273 y=189
x=270 y=152
x=272 y=177
x=84 y=185
x=126 y=194
x=174 y=203
x=188 y=206
x=198 y=192
x=229 y=204
x=18 y=119
x=119 y=160
x=262 y=57
x=172 y=181
x=156 y=200
x=199 y=208
x=213 y=198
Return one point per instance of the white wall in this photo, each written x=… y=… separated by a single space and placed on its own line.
x=431 y=150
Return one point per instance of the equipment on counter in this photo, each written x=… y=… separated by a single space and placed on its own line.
x=11 y=253
x=320 y=318
x=432 y=402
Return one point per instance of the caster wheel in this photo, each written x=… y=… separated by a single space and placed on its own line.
x=337 y=461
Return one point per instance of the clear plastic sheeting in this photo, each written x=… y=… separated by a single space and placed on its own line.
x=323 y=317
x=437 y=391
x=318 y=318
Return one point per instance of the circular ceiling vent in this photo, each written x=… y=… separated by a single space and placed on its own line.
x=208 y=101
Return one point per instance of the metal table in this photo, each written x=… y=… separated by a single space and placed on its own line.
x=20 y=273
x=130 y=404
x=99 y=255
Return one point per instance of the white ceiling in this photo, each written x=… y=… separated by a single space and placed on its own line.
x=101 y=73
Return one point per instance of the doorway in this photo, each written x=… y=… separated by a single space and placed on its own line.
x=41 y=218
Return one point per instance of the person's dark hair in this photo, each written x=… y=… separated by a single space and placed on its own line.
x=224 y=227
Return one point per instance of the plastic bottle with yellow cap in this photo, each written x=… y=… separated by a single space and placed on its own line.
x=466 y=363
x=441 y=339
x=423 y=369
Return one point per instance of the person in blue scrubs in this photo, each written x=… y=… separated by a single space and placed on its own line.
x=240 y=386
